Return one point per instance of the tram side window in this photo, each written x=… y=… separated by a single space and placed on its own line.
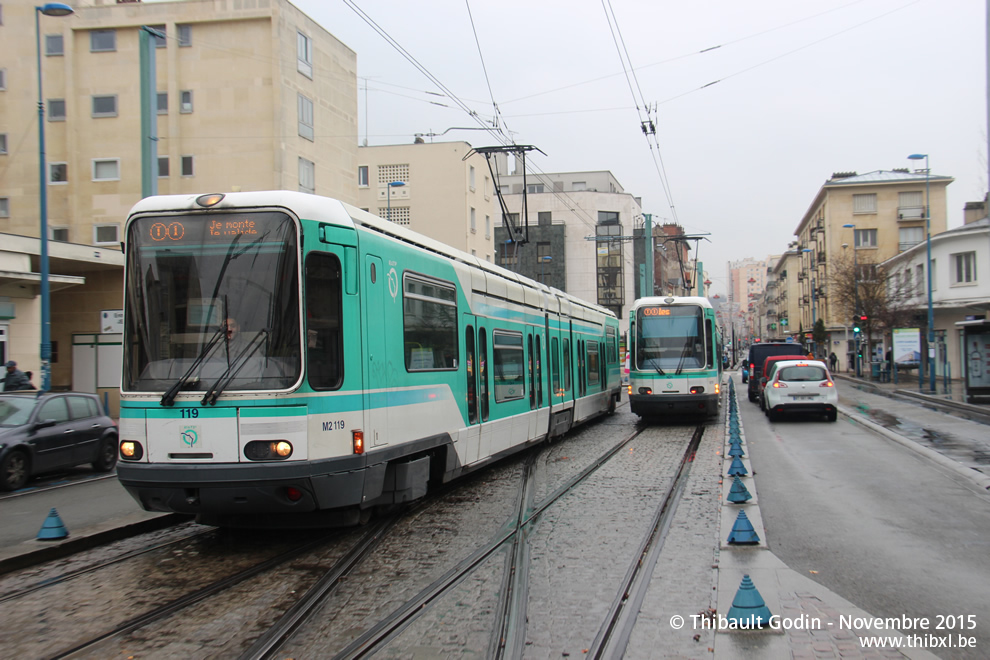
x=567 y=365
x=539 y=373
x=508 y=364
x=555 y=367
x=592 y=363
x=483 y=373
x=472 y=396
x=709 y=343
x=429 y=323
x=613 y=345
x=324 y=341
x=531 y=372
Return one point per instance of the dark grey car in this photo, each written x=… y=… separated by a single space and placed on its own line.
x=42 y=432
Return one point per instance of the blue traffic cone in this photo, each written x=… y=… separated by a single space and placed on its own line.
x=738 y=493
x=742 y=531
x=736 y=450
x=737 y=469
x=53 y=528
x=748 y=609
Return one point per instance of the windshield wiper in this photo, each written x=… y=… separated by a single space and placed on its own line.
x=684 y=352
x=169 y=397
x=213 y=393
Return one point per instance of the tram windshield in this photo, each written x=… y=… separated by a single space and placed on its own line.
x=211 y=303
x=670 y=338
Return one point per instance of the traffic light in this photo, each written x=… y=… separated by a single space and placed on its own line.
x=858 y=322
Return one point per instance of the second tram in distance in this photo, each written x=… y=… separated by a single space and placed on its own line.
x=675 y=365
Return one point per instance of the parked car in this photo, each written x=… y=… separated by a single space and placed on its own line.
x=802 y=387
x=760 y=352
x=42 y=432
x=768 y=366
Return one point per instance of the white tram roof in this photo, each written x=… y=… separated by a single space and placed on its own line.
x=336 y=212
x=674 y=300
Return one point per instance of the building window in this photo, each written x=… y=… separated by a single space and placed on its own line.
x=307 y=176
x=471 y=177
x=934 y=275
x=919 y=276
x=162 y=167
x=488 y=188
x=160 y=42
x=473 y=225
x=534 y=188
x=60 y=234
x=608 y=217
x=397 y=215
x=106 y=234
x=964 y=268
x=54 y=45
x=578 y=186
x=544 y=218
x=389 y=173
x=910 y=236
x=58 y=173
x=162 y=98
x=106 y=169
x=363 y=176
x=429 y=322
x=102 y=41
x=56 y=109
x=105 y=106
x=3 y=79
x=865 y=203
x=3 y=143
x=4 y=207
x=488 y=227
x=185 y=35
x=305 y=107
x=542 y=251
x=185 y=101
x=910 y=205
x=507 y=255
x=187 y=166
x=304 y=55
x=866 y=238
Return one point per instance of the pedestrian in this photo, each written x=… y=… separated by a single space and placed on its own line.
x=15 y=379
x=833 y=361
x=30 y=377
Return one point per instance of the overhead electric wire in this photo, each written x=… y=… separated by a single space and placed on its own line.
x=481 y=56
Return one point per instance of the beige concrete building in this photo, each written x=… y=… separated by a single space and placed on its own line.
x=250 y=96
x=878 y=214
x=434 y=190
x=747 y=280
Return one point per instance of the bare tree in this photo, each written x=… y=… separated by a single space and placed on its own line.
x=862 y=287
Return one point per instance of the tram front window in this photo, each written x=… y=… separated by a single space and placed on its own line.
x=670 y=338
x=189 y=280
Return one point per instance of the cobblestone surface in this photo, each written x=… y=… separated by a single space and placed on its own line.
x=684 y=578
x=582 y=549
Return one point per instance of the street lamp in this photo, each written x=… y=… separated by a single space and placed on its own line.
x=928 y=267
x=388 y=196
x=50 y=9
x=543 y=260
x=856 y=289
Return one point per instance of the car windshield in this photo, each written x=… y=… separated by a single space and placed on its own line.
x=802 y=373
x=15 y=410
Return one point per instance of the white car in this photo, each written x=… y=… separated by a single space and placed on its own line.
x=801 y=387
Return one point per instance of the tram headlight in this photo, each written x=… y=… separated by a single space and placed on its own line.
x=131 y=451
x=697 y=389
x=268 y=450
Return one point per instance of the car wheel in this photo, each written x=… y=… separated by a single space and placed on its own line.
x=14 y=470
x=107 y=457
x=771 y=415
x=833 y=415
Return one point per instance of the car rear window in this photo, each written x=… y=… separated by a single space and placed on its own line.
x=802 y=373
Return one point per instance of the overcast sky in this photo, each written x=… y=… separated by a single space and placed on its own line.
x=804 y=89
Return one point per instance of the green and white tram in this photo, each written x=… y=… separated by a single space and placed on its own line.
x=286 y=353
x=676 y=357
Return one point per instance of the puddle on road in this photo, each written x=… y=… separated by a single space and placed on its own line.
x=945 y=443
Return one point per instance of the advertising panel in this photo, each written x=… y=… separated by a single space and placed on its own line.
x=907 y=346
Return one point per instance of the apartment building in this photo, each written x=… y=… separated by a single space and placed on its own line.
x=877 y=215
x=443 y=190
x=747 y=280
x=581 y=230
x=249 y=96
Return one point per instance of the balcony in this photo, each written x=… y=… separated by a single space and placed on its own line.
x=910 y=212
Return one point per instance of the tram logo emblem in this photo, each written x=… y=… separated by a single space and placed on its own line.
x=393 y=283
x=189 y=436
x=669 y=384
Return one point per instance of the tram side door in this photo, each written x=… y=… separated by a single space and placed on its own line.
x=376 y=357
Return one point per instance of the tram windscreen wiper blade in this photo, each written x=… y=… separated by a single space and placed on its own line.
x=684 y=352
x=212 y=394
x=169 y=397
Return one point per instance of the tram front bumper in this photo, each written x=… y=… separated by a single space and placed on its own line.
x=655 y=405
